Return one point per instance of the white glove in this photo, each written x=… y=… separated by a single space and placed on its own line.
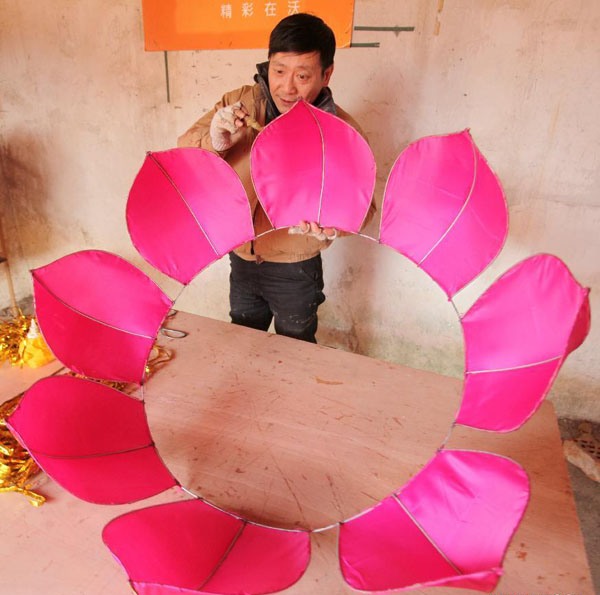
x=312 y=229
x=225 y=127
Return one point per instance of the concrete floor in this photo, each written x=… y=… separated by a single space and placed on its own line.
x=587 y=500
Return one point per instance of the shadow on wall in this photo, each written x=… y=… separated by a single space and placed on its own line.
x=25 y=209
x=391 y=322
x=388 y=109
x=346 y=284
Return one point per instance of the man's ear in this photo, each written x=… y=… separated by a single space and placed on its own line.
x=327 y=75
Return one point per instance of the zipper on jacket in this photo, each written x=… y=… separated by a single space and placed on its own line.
x=253 y=229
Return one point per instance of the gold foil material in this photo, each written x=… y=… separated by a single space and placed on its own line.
x=22 y=344
x=159 y=356
x=16 y=465
x=12 y=333
x=33 y=350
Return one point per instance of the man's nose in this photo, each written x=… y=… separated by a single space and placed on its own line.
x=289 y=85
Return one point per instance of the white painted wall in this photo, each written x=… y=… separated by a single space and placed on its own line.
x=81 y=103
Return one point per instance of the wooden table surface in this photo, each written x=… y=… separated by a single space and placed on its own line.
x=294 y=435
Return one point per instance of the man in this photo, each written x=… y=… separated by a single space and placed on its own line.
x=279 y=275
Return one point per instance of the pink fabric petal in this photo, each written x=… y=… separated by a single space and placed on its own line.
x=91 y=439
x=99 y=314
x=186 y=209
x=308 y=165
x=192 y=545
x=517 y=335
x=384 y=549
x=435 y=531
x=154 y=589
x=501 y=402
x=445 y=209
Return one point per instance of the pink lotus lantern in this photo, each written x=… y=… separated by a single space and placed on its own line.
x=445 y=210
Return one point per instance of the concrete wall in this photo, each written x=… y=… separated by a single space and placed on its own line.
x=81 y=102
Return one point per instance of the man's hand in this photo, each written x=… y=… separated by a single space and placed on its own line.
x=226 y=125
x=313 y=229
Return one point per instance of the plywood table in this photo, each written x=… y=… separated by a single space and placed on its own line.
x=296 y=435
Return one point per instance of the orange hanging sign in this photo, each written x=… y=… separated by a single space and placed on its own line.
x=222 y=24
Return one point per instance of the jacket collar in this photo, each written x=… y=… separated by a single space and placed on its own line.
x=324 y=100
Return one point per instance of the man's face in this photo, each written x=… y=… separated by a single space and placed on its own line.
x=294 y=75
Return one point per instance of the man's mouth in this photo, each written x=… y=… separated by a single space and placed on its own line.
x=288 y=102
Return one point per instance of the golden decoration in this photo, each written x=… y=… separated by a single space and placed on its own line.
x=159 y=356
x=21 y=342
x=12 y=333
x=16 y=465
x=33 y=351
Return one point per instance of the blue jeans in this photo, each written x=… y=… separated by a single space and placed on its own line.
x=290 y=293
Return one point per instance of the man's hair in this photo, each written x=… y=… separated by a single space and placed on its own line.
x=303 y=33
